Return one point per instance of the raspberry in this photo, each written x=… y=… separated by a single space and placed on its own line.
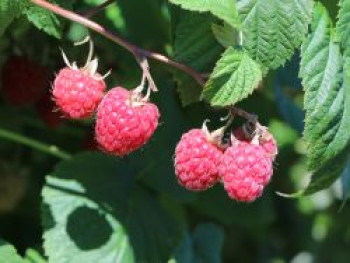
x=246 y=170
x=77 y=92
x=124 y=122
x=45 y=108
x=197 y=160
x=265 y=138
x=23 y=81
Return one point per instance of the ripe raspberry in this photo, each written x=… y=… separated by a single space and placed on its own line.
x=265 y=138
x=23 y=81
x=45 y=108
x=197 y=160
x=246 y=170
x=124 y=122
x=78 y=92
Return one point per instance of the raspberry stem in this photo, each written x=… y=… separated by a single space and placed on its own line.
x=49 y=149
x=140 y=54
x=93 y=11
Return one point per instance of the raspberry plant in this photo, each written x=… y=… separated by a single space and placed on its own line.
x=113 y=168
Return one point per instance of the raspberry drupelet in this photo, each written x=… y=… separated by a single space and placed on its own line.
x=125 y=121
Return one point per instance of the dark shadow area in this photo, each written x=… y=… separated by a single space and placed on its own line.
x=47 y=218
x=152 y=233
x=87 y=228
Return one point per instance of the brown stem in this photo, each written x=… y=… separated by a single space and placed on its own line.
x=93 y=11
x=136 y=51
x=140 y=54
x=242 y=113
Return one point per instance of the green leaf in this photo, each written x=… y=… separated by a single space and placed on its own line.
x=93 y=211
x=9 y=10
x=44 y=19
x=273 y=29
x=225 y=34
x=343 y=24
x=195 y=46
x=224 y=9
x=325 y=78
x=33 y=256
x=235 y=76
x=8 y=253
x=204 y=246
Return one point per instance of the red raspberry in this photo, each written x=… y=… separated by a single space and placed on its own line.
x=265 y=138
x=77 y=92
x=124 y=122
x=23 y=81
x=197 y=160
x=246 y=170
x=45 y=108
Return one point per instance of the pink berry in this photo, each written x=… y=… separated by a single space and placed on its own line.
x=197 y=161
x=77 y=93
x=246 y=170
x=265 y=138
x=124 y=122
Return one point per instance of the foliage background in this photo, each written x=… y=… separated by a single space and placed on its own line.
x=137 y=198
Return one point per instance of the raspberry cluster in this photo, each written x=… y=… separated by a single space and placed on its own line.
x=245 y=166
x=125 y=120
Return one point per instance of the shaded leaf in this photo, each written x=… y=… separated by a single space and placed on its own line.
x=9 y=10
x=345 y=181
x=224 y=9
x=44 y=19
x=225 y=34
x=195 y=46
x=94 y=212
x=203 y=246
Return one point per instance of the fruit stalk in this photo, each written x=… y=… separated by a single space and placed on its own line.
x=49 y=149
x=140 y=54
x=91 y=12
